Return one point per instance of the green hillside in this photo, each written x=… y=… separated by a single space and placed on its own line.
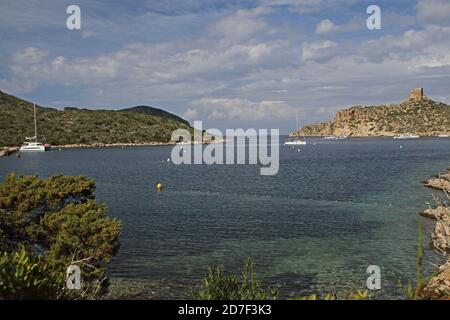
x=83 y=126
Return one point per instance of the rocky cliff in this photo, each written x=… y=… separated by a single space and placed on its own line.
x=417 y=115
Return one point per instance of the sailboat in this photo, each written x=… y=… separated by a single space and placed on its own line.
x=296 y=142
x=34 y=146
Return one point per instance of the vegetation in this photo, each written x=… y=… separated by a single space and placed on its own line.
x=48 y=225
x=357 y=295
x=218 y=285
x=83 y=126
x=413 y=290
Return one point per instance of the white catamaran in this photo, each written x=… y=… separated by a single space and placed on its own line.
x=296 y=142
x=34 y=146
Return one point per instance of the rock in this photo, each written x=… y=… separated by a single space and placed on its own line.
x=441 y=236
x=8 y=151
x=435 y=213
x=439 y=286
x=442 y=182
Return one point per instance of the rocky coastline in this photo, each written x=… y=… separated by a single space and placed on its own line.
x=438 y=287
x=4 y=152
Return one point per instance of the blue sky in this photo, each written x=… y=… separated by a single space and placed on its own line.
x=230 y=63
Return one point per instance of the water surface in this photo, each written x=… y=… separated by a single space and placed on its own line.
x=333 y=209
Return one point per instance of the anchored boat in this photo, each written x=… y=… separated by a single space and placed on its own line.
x=297 y=141
x=34 y=146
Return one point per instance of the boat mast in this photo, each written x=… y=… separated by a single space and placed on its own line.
x=35 y=123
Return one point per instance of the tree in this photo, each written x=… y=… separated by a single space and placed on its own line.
x=47 y=225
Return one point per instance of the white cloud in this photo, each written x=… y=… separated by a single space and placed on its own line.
x=242 y=24
x=239 y=109
x=326 y=26
x=318 y=51
x=434 y=11
x=29 y=55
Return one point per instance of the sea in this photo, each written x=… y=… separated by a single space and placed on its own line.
x=334 y=209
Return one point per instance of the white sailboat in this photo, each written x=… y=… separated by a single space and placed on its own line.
x=296 y=142
x=34 y=146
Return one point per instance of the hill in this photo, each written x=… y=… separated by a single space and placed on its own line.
x=155 y=112
x=83 y=126
x=417 y=115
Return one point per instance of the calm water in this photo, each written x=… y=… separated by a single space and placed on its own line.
x=333 y=209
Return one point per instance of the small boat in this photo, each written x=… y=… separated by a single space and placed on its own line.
x=336 y=137
x=297 y=141
x=406 y=136
x=443 y=136
x=34 y=146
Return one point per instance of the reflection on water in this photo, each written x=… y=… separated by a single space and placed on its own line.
x=333 y=209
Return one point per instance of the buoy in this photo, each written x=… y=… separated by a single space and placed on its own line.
x=158 y=186
x=168 y=159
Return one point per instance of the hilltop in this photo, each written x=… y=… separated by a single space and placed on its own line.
x=73 y=126
x=417 y=115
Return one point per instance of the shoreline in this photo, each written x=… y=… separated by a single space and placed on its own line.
x=438 y=286
x=8 y=151
x=110 y=145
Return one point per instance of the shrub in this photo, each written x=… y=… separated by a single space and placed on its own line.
x=219 y=286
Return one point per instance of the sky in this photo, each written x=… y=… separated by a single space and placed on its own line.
x=229 y=63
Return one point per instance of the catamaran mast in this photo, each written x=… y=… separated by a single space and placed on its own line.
x=35 y=123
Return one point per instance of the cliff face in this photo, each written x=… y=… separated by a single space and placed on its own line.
x=418 y=115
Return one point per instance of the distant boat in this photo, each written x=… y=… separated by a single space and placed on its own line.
x=336 y=137
x=296 y=142
x=443 y=136
x=34 y=146
x=406 y=136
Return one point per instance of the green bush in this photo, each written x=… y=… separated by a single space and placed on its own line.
x=47 y=225
x=219 y=286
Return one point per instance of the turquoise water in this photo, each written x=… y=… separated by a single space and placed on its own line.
x=333 y=209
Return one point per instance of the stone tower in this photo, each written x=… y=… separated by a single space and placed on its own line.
x=416 y=94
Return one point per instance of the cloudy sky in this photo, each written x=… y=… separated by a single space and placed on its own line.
x=230 y=63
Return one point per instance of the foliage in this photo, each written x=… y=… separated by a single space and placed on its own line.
x=357 y=295
x=57 y=222
x=82 y=126
x=219 y=286
x=26 y=275
x=413 y=290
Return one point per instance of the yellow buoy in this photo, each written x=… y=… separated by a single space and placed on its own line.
x=158 y=186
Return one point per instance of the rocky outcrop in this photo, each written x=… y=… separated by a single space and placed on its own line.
x=417 y=115
x=441 y=182
x=439 y=286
